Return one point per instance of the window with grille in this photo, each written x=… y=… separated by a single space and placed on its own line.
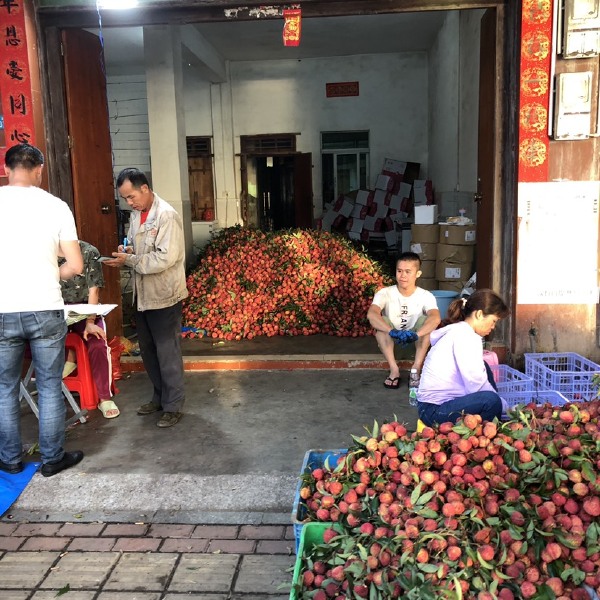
x=281 y=143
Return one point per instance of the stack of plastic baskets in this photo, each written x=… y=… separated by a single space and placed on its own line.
x=533 y=396
x=566 y=372
x=510 y=380
x=313 y=459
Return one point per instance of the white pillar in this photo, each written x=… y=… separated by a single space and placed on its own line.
x=226 y=165
x=166 y=120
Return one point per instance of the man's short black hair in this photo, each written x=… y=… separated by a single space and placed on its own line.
x=409 y=256
x=24 y=156
x=136 y=177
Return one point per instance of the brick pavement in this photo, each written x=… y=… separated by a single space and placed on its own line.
x=145 y=561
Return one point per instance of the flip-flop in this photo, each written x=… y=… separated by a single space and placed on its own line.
x=394 y=383
x=107 y=405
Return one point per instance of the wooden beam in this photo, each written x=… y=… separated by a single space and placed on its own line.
x=200 y=11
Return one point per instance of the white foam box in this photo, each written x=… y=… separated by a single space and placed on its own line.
x=426 y=215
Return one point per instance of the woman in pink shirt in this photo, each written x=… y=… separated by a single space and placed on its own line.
x=455 y=379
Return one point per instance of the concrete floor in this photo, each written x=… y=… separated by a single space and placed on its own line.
x=235 y=456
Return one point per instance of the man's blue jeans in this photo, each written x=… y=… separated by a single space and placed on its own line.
x=487 y=404
x=45 y=332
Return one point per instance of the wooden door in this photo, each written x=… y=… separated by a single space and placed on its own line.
x=201 y=185
x=94 y=198
x=485 y=152
x=303 y=192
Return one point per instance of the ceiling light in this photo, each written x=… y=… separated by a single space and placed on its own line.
x=116 y=4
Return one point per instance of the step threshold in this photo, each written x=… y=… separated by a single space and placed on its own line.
x=132 y=364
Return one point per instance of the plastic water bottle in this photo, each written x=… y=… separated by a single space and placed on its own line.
x=413 y=384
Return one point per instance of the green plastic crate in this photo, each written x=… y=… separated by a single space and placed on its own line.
x=311 y=535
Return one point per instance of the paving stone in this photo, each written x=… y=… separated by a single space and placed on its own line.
x=34 y=529
x=7 y=528
x=11 y=543
x=275 y=547
x=125 y=529
x=256 y=597
x=81 y=529
x=184 y=545
x=171 y=531
x=129 y=596
x=263 y=532
x=81 y=570
x=35 y=544
x=204 y=573
x=92 y=544
x=137 y=544
x=216 y=531
x=25 y=570
x=289 y=533
x=196 y=597
x=142 y=572
x=264 y=574
x=13 y=594
x=232 y=546
x=71 y=595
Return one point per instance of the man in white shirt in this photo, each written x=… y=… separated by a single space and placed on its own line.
x=37 y=229
x=404 y=307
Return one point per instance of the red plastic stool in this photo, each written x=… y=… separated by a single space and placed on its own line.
x=81 y=380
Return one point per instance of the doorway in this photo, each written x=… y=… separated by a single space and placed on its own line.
x=277 y=191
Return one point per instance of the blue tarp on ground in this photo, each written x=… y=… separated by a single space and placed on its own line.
x=11 y=486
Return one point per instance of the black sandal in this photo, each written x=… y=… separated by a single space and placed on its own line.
x=394 y=383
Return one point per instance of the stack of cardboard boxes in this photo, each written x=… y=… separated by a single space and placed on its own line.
x=446 y=251
x=375 y=215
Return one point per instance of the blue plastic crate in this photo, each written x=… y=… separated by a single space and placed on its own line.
x=535 y=396
x=313 y=459
x=510 y=380
x=566 y=372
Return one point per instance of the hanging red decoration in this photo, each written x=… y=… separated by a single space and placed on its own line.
x=15 y=81
x=292 y=26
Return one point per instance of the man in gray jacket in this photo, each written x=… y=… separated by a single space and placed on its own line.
x=154 y=250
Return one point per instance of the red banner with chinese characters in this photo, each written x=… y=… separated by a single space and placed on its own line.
x=15 y=80
x=292 y=26
x=536 y=57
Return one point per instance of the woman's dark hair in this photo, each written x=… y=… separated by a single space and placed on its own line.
x=487 y=301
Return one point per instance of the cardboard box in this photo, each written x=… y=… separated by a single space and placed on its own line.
x=455 y=254
x=425 y=233
x=424 y=250
x=450 y=286
x=427 y=283
x=426 y=215
x=448 y=272
x=457 y=234
x=427 y=269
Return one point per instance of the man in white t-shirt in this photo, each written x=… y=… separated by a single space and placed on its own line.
x=37 y=228
x=404 y=307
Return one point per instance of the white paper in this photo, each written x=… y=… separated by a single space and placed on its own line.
x=357 y=225
x=394 y=166
x=370 y=223
x=391 y=238
x=346 y=208
x=558 y=266
x=356 y=210
x=78 y=312
x=395 y=201
x=362 y=197
x=404 y=191
x=383 y=181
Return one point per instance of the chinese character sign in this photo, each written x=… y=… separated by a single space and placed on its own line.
x=15 y=80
